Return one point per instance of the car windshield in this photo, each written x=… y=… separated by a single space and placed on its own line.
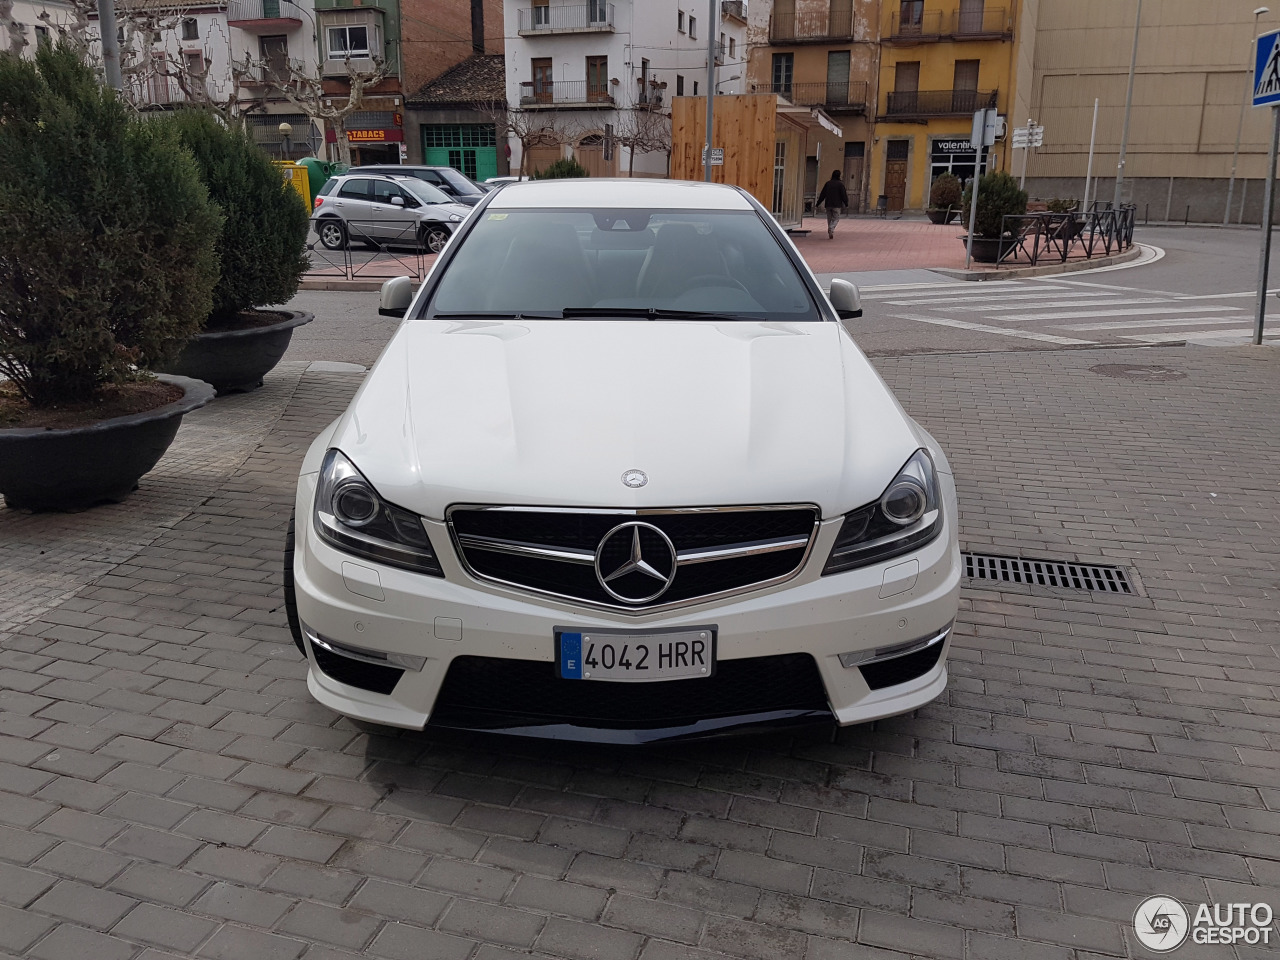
x=459 y=181
x=423 y=190
x=652 y=264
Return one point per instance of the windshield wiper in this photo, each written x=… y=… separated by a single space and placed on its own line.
x=652 y=313
x=480 y=315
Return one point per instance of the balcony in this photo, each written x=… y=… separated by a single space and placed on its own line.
x=847 y=97
x=920 y=104
x=733 y=8
x=265 y=72
x=720 y=52
x=578 y=18
x=931 y=26
x=264 y=16
x=811 y=27
x=573 y=94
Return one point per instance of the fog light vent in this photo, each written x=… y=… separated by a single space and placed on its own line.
x=1098 y=577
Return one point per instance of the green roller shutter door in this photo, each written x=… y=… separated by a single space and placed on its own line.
x=469 y=147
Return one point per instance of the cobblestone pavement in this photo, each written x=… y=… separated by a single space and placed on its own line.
x=167 y=787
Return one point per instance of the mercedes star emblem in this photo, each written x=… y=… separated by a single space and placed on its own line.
x=635 y=478
x=640 y=560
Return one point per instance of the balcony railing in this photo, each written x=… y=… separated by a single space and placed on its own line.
x=277 y=13
x=849 y=96
x=937 y=103
x=989 y=23
x=263 y=72
x=578 y=18
x=720 y=50
x=811 y=26
x=563 y=93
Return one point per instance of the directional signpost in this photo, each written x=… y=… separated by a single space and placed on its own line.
x=1027 y=137
x=1266 y=92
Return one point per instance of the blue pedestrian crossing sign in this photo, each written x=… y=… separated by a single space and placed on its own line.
x=1266 y=70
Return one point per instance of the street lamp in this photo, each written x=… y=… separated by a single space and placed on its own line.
x=721 y=83
x=285 y=130
x=1235 y=157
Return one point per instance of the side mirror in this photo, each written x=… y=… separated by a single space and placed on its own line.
x=397 y=201
x=397 y=294
x=844 y=297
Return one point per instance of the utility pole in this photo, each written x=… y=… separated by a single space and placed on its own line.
x=713 y=28
x=1093 y=133
x=1128 y=106
x=110 y=44
x=1235 y=156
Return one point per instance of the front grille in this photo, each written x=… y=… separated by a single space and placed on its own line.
x=582 y=532
x=356 y=673
x=896 y=670
x=493 y=693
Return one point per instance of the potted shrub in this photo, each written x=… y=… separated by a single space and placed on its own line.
x=106 y=264
x=944 y=198
x=998 y=197
x=562 y=168
x=262 y=250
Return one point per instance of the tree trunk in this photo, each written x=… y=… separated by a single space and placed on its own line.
x=342 y=144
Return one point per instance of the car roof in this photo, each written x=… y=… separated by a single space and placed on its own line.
x=595 y=192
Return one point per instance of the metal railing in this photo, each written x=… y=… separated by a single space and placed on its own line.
x=536 y=93
x=550 y=19
x=849 y=95
x=986 y=22
x=937 y=103
x=917 y=25
x=266 y=71
x=263 y=10
x=375 y=250
x=720 y=50
x=835 y=24
x=1101 y=231
x=922 y=25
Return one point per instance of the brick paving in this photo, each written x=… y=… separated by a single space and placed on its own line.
x=864 y=244
x=167 y=787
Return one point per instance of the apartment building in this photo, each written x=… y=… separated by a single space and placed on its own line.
x=582 y=78
x=940 y=61
x=822 y=54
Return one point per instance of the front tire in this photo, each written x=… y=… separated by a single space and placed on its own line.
x=290 y=595
x=333 y=235
x=434 y=239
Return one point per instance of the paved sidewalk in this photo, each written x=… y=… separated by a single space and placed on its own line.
x=167 y=787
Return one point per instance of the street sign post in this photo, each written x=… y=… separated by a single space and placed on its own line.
x=1027 y=137
x=1266 y=92
x=987 y=126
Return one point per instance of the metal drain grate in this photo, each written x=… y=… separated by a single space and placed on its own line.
x=1047 y=573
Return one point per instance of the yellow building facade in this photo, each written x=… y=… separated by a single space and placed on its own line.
x=940 y=61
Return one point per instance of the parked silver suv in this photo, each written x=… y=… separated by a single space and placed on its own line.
x=384 y=211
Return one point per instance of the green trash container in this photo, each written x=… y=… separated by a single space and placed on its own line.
x=319 y=172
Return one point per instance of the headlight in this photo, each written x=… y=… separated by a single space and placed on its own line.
x=350 y=516
x=455 y=218
x=906 y=517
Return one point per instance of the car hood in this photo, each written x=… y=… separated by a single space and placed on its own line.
x=553 y=413
x=441 y=211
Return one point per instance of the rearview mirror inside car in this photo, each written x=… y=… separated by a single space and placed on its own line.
x=844 y=297
x=397 y=294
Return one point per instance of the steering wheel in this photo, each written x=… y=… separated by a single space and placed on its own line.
x=713 y=280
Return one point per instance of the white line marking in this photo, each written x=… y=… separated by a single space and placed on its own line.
x=1002 y=331
x=960 y=285
x=1070 y=303
x=1207 y=334
x=1136 y=312
x=1172 y=322
x=1150 y=254
x=996 y=299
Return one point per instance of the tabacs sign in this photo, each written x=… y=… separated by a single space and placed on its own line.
x=1266 y=70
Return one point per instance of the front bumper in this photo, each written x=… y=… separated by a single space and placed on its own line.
x=408 y=629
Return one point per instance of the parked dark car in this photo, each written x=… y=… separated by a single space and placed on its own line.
x=453 y=182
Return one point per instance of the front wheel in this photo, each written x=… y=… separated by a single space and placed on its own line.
x=332 y=234
x=434 y=238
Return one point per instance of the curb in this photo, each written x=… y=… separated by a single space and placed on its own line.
x=341 y=283
x=1014 y=273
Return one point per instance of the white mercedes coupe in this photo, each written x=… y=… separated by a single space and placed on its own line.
x=622 y=475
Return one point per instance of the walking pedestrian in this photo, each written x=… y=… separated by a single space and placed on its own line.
x=836 y=198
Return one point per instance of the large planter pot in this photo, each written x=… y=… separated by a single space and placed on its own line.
x=988 y=249
x=236 y=360
x=42 y=469
x=941 y=215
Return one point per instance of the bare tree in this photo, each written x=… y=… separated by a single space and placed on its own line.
x=305 y=90
x=642 y=129
x=12 y=36
x=545 y=127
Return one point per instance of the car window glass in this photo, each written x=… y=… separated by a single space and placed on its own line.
x=356 y=189
x=425 y=191
x=384 y=190
x=550 y=260
x=459 y=182
x=328 y=187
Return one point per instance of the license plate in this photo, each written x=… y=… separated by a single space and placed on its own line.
x=636 y=657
